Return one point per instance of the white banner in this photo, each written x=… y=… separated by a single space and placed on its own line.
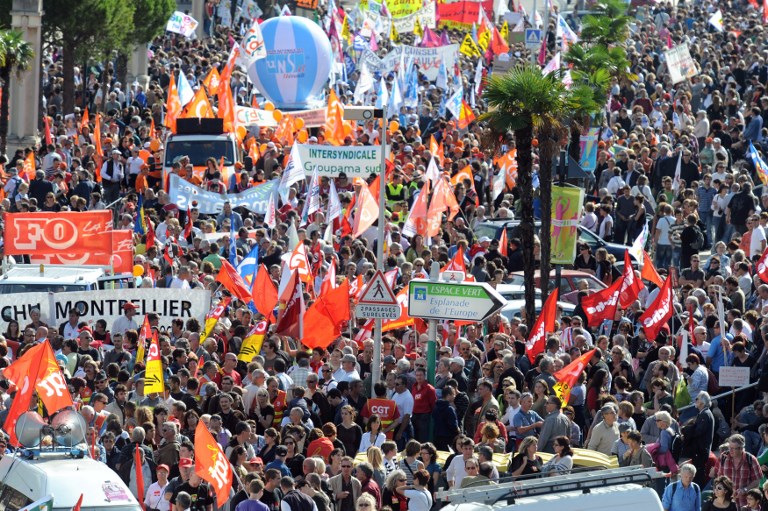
x=245 y=116
x=428 y=59
x=426 y=16
x=181 y=24
x=107 y=305
x=680 y=64
x=354 y=161
x=184 y=194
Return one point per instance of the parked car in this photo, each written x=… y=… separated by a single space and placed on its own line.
x=514 y=308
x=570 y=280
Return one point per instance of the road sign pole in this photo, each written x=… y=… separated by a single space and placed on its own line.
x=434 y=276
x=376 y=369
x=534 y=54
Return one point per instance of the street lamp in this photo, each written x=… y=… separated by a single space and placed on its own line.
x=365 y=113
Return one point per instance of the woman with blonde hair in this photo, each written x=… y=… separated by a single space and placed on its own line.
x=376 y=459
x=366 y=502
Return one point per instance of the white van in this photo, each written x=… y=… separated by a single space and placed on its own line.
x=24 y=481
x=54 y=278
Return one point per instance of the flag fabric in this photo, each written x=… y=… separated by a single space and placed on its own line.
x=312 y=204
x=85 y=119
x=503 y=243
x=324 y=319
x=657 y=315
x=649 y=272
x=138 y=467
x=329 y=281
x=47 y=127
x=552 y=66
x=232 y=257
x=758 y=162
x=186 y=94
x=457 y=263
x=630 y=285
x=139 y=219
x=211 y=464
x=253 y=44
x=226 y=107
x=153 y=376
x=537 y=341
x=565 y=31
x=416 y=223
x=213 y=317
x=499 y=182
x=299 y=261
x=199 y=106
x=762 y=267
x=367 y=211
x=253 y=341
x=231 y=280
x=716 y=20
x=469 y=47
x=145 y=332
x=292 y=309
x=334 y=204
x=602 y=305
x=172 y=106
x=678 y=169
x=569 y=375
x=188 y=226
x=264 y=293
x=79 y=502
x=636 y=250
x=271 y=217
x=37 y=370
x=466 y=116
x=249 y=266
x=211 y=82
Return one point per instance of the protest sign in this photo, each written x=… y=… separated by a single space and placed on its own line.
x=107 y=305
x=588 y=144
x=245 y=116
x=680 y=64
x=425 y=15
x=428 y=59
x=462 y=14
x=181 y=23
x=120 y=259
x=355 y=161
x=184 y=194
x=70 y=232
x=400 y=8
x=566 y=210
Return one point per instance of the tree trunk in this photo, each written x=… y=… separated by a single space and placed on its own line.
x=68 y=69
x=5 y=76
x=121 y=70
x=547 y=149
x=105 y=87
x=524 y=139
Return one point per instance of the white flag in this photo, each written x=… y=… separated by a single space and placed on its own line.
x=185 y=90
x=565 y=31
x=678 y=168
x=454 y=103
x=553 y=65
x=499 y=181
x=253 y=44
x=312 y=203
x=433 y=173
x=636 y=250
x=271 y=218
x=396 y=99
x=716 y=20
x=293 y=173
x=334 y=204
x=364 y=84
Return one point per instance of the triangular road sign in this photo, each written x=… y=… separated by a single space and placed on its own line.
x=377 y=292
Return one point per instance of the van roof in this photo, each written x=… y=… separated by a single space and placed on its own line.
x=54 y=474
x=51 y=274
x=621 y=497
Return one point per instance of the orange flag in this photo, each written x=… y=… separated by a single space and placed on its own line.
x=300 y=262
x=465 y=173
x=98 y=155
x=569 y=375
x=466 y=116
x=36 y=370
x=537 y=341
x=139 y=469
x=334 y=124
x=323 y=320
x=172 y=106
x=29 y=166
x=649 y=272
x=233 y=282
x=264 y=294
x=211 y=464
x=498 y=44
x=367 y=211
x=503 y=243
x=85 y=119
x=227 y=107
x=198 y=107
x=212 y=81
x=329 y=282
x=457 y=263
x=417 y=216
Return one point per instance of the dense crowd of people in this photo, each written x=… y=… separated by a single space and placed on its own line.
x=298 y=426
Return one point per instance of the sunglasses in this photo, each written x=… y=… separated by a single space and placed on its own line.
x=364 y=504
x=346 y=466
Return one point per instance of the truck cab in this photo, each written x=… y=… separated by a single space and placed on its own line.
x=40 y=278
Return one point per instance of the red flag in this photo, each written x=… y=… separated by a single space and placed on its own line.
x=290 y=313
x=139 y=475
x=602 y=305
x=503 y=243
x=172 y=106
x=691 y=324
x=48 y=134
x=367 y=211
x=168 y=251
x=80 y=503
x=545 y=323
x=233 y=282
x=659 y=312
x=649 y=272
x=762 y=267
x=498 y=44
x=631 y=285
x=211 y=464
x=329 y=281
x=765 y=12
x=300 y=262
x=356 y=287
x=323 y=320
x=568 y=376
x=188 y=227
x=457 y=263
x=264 y=294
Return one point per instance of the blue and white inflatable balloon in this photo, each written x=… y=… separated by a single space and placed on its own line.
x=297 y=65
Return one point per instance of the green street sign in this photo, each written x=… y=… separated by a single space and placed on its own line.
x=465 y=301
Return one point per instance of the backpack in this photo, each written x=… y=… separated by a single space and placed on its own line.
x=713 y=387
x=698 y=243
x=677 y=446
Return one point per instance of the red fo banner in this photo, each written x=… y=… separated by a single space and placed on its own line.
x=70 y=232
x=121 y=256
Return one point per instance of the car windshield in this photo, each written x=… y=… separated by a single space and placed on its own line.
x=199 y=151
x=40 y=288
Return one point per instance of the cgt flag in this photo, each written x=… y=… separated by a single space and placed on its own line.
x=252 y=343
x=569 y=375
x=213 y=317
x=211 y=464
x=153 y=380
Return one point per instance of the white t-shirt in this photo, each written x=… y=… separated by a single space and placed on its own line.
x=755 y=242
x=404 y=402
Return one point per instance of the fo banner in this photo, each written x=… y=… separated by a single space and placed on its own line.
x=184 y=194
x=120 y=260
x=355 y=161
x=66 y=232
x=680 y=64
x=107 y=305
x=566 y=210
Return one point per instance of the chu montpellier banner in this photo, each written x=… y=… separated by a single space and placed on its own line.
x=106 y=304
x=355 y=161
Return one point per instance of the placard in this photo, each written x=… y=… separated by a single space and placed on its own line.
x=733 y=376
x=355 y=161
x=184 y=194
x=680 y=64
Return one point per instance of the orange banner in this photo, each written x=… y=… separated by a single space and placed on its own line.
x=70 y=233
x=121 y=256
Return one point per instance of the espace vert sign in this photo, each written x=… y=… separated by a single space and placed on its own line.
x=69 y=232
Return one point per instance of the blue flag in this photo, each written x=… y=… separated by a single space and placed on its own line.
x=139 y=221
x=232 y=244
x=249 y=266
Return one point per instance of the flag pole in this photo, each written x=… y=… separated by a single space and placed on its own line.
x=376 y=369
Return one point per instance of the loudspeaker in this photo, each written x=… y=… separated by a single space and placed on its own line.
x=198 y=126
x=69 y=428
x=28 y=429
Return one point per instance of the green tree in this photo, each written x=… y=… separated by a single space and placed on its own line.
x=530 y=105
x=16 y=56
x=149 y=20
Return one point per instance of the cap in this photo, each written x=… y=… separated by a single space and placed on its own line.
x=255 y=461
x=163 y=466
x=458 y=360
x=115 y=151
x=85 y=329
x=281 y=450
x=129 y=306
x=389 y=359
x=170 y=207
x=484 y=239
x=101 y=376
x=186 y=463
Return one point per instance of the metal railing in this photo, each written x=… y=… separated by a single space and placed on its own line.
x=724 y=394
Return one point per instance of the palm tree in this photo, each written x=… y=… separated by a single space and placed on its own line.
x=530 y=105
x=16 y=56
